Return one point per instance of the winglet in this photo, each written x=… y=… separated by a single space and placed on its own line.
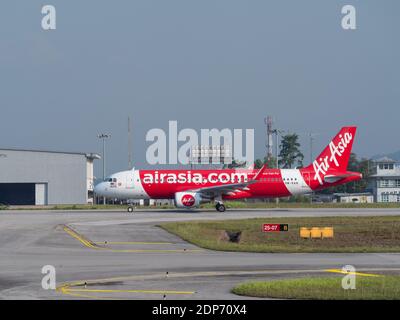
x=256 y=177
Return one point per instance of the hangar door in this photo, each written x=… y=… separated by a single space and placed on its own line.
x=23 y=193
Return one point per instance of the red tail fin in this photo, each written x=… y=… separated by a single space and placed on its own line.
x=336 y=155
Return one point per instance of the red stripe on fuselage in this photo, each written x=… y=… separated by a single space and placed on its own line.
x=163 y=184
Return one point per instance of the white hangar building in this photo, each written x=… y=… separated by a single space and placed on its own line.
x=38 y=177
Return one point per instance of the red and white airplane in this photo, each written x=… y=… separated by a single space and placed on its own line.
x=190 y=188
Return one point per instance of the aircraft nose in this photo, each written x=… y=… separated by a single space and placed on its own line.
x=99 y=189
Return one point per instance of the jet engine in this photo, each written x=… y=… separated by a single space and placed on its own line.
x=189 y=199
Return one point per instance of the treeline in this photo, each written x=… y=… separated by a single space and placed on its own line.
x=363 y=166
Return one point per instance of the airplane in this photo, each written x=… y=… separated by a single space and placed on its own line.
x=191 y=188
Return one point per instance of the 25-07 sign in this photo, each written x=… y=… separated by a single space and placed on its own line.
x=275 y=227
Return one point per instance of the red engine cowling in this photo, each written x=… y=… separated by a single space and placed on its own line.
x=188 y=199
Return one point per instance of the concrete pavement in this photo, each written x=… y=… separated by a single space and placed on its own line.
x=116 y=255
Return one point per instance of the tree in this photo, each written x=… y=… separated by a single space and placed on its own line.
x=271 y=163
x=235 y=164
x=363 y=166
x=290 y=153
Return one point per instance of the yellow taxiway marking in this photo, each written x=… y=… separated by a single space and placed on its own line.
x=151 y=250
x=354 y=273
x=88 y=293
x=78 y=237
x=89 y=244
x=130 y=242
x=66 y=291
x=131 y=291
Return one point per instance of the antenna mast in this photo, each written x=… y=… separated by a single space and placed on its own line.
x=269 y=143
x=129 y=144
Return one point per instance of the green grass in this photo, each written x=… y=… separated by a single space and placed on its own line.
x=351 y=234
x=329 y=288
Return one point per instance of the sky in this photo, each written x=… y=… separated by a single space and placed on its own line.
x=204 y=63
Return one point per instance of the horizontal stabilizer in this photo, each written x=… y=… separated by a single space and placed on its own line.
x=332 y=178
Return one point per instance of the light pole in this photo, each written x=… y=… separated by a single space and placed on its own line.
x=277 y=133
x=104 y=136
x=311 y=135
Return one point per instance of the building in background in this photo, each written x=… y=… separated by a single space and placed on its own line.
x=385 y=180
x=354 y=197
x=37 y=177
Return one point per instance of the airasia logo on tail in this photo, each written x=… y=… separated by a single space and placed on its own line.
x=322 y=165
x=188 y=200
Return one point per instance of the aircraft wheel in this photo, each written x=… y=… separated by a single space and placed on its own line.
x=220 y=207
x=130 y=209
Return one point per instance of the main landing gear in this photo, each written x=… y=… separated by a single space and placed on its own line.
x=220 y=207
x=130 y=209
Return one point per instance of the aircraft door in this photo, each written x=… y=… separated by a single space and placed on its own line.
x=130 y=180
x=306 y=181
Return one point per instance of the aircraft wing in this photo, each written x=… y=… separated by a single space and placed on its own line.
x=223 y=188
x=232 y=187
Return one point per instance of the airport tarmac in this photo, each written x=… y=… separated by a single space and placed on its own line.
x=116 y=255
